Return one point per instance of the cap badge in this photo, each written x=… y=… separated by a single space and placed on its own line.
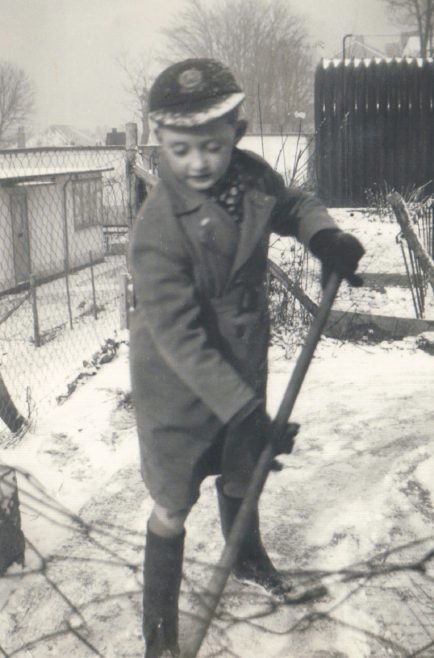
x=190 y=80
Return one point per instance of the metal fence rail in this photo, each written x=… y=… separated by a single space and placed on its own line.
x=416 y=239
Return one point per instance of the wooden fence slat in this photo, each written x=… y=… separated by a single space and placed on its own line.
x=320 y=130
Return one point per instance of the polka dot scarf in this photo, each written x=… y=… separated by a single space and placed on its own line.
x=228 y=192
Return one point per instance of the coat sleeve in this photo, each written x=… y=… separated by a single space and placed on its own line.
x=297 y=213
x=166 y=302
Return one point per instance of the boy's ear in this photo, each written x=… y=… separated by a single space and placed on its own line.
x=155 y=133
x=240 y=130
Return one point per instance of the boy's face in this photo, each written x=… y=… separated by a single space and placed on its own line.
x=199 y=156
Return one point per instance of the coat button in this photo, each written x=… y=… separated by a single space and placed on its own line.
x=205 y=230
x=240 y=331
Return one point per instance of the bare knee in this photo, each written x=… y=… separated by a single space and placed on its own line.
x=166 y=522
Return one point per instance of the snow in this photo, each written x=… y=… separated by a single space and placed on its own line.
x=377 y=60
x=354 y=499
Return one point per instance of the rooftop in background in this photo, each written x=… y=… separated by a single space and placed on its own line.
x=28 y=174
x=61 y=135
x=365 y=46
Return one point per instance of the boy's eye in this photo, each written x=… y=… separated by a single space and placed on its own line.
x=179 y=149
x=213 y=147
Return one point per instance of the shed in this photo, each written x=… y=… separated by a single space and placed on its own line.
x=374 y=121
x=50 y=221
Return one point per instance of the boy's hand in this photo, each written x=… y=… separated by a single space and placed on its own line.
x=339 y=252
x=284 y=444
x=258 y=423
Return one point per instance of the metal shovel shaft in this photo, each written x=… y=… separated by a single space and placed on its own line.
x=212 y=595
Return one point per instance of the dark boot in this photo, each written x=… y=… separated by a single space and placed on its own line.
x=253 y=564
x=162 y=576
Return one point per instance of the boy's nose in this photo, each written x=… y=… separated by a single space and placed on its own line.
x=198 y=161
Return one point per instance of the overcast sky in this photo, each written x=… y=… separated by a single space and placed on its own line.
x=69 y=47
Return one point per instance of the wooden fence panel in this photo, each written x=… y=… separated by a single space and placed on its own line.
x=375 y=128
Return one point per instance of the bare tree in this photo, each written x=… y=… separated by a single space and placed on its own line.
x=418 y=13
x=137 y=84
x=263 y=42
x=16 y=99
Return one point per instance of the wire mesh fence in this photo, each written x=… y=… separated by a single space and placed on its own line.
x=63 y=236
x=416 y=240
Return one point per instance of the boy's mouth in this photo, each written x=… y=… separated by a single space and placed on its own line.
x=202 y=180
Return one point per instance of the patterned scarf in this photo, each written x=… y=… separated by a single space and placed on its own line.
x=228 y=192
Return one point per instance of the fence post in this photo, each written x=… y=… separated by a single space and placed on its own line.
x=68 y=293
x=66 y=247
x=92 y=278
x=131 y=137
x=123 y=301
x=35 y=311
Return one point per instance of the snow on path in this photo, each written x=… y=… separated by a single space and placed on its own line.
x=358 y=488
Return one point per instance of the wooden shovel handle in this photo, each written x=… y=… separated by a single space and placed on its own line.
x=212 y=595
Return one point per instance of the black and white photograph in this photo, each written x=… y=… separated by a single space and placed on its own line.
x=216 y=329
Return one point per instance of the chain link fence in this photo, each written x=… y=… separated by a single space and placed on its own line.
x=421 y=225
x=63 y=237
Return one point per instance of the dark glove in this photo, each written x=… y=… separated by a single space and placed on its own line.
x=258 y=423
x=283 y=444
x=338 y=252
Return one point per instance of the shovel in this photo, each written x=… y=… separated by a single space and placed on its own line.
x=214 y=591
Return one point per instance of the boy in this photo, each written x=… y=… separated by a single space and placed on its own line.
x=200 y=329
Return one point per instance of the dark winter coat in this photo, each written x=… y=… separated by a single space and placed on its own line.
x=200 y=329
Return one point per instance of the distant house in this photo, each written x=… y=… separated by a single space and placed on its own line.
x=60 y=135
x=50 y=220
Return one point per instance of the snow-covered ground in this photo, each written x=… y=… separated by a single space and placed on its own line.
x=352 y=510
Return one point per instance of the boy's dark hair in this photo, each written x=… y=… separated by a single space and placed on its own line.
x=194 y=92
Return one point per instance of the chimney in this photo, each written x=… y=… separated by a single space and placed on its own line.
x=21 y=138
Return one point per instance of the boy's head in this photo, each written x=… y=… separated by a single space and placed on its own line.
x=194 y=105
